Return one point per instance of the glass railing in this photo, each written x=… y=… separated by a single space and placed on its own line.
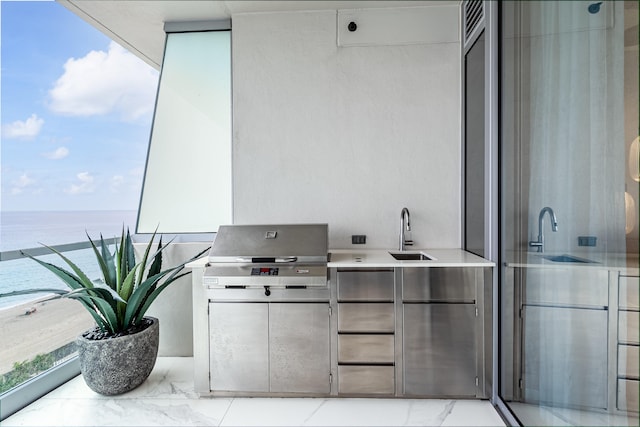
x=38 y=333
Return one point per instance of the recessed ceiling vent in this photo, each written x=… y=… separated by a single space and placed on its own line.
x=473 y=17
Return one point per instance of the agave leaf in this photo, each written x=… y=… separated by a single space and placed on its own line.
x=150 y=298
x=119 y=262
x=58 y=292
x=101 y=306
x=156 y=266
x=105 y=261
x=124 y=298
x=137 y=299
x=142 y=304
x=130 y=257
x=145 y=257
x=177 y=268
x=108 y=259
x=97 y=317
x=69 y=279
x=129 y=284
x=127 y=288
x=80 y=276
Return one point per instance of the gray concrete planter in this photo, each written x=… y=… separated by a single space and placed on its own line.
x=117 y=365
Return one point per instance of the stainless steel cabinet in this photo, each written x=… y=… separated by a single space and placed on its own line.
x=628 y=373
x=269 y=347
x=439 y=349
x=366 y=317
x=565 y=356
x=440 y=331
x=366 y=327
x=239 y=349
x=299 y=347
x=564 y=323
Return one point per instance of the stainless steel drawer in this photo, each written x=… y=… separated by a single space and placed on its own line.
x=628 y=361
x=365 y=348
x=629 y=292
x=566 y=287
x=439 y=284
x=629 y=327
x=365 y=285
x=366 y=317
x=628 y=395
x=366 y=379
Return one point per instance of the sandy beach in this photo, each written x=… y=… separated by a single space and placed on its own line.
x=52 y=325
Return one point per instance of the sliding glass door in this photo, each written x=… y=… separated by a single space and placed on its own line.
x=569 y=230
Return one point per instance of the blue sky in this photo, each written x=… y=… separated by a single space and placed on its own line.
x=75 y=113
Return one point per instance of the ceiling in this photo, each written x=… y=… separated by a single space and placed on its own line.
x=138 y=25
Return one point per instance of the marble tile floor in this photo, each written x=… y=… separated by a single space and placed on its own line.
x=534 y=415
x=167 y=399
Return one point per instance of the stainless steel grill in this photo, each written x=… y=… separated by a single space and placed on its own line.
x=287 y=256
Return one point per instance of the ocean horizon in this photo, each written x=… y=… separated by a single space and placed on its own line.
x=29 y=229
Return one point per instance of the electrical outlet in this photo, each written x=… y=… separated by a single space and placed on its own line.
x=587 y=240
x=358 y=239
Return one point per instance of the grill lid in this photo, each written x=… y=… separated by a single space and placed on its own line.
x=271 y=243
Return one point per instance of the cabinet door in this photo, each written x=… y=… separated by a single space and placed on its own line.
x=366 y=317
x=437 y=284
x=439 y=347
x=299 y=347
x=365 y=285
x=565 y=356
x=239 y=336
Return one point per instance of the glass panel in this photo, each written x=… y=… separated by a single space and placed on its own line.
x=37 y=333
x=187 y=185
x=569 y=112
x=76 y=113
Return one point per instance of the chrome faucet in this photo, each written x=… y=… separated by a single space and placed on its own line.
x=554 y=227
x=405 y=225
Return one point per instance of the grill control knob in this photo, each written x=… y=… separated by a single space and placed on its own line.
x=267 y=291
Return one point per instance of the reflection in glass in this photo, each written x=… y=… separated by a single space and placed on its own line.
x=569 y=84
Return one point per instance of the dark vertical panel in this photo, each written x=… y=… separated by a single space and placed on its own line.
x=474 y=148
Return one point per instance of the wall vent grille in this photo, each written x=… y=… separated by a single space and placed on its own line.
x=473 y=17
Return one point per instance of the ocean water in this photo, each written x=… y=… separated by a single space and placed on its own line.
x=23 y=230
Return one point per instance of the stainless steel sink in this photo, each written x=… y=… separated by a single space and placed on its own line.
x=567 y=258
x=410 y=256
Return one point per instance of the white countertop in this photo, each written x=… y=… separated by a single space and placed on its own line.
x=621 y=262
x=364 y=258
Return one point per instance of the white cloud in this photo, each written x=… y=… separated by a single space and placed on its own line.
x=105 y=82
x=84 y=184
x=59 y=153
x=27 y=129
x=116 y=183
x=20 y=184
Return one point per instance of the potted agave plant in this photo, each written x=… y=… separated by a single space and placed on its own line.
x=118 y=354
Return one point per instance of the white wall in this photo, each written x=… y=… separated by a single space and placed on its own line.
x=346 y=135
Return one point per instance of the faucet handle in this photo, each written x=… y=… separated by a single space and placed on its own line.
x=536 y=244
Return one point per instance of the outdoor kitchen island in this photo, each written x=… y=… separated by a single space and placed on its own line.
x=380 y=327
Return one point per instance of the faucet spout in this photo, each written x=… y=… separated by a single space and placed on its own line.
x=539 y=244
x=405 y=228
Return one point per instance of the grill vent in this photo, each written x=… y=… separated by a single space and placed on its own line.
x=473 y=17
